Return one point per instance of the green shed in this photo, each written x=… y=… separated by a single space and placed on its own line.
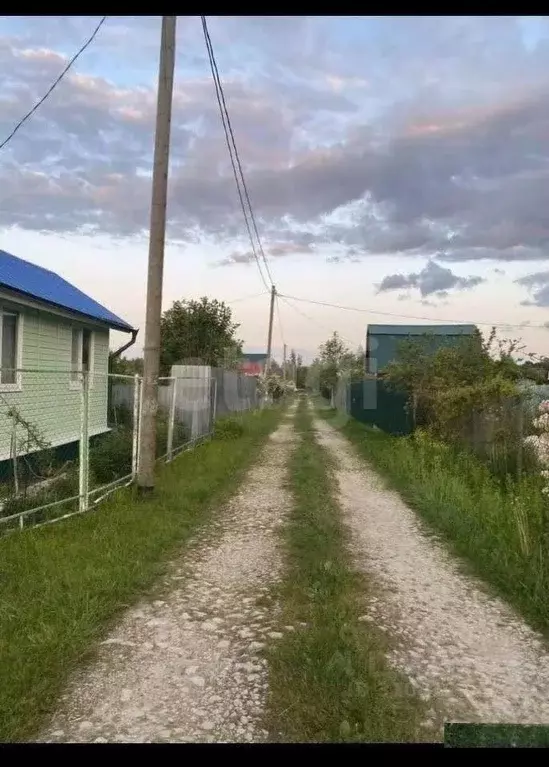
x=382 y=341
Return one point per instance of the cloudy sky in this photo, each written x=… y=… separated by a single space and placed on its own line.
x=398 y=164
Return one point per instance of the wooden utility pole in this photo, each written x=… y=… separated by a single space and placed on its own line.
x=270 y=335
x=151 y=350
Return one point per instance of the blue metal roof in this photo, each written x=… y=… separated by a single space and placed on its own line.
x=37 y=282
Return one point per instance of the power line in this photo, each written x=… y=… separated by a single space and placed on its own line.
x=217 y=85
x=55 y=83
x=246 y=298
x=314 y=321
x=228 y=127
x=408 y=316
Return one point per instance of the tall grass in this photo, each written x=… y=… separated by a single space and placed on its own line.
x=500 y=528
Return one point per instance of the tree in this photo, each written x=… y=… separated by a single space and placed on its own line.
x=336 y=360
x=125 y=366
x=199 y=332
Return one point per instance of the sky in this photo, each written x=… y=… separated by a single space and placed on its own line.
x=399 y=165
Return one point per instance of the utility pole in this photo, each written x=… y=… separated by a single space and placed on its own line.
x=284 y=365
x=157 y=237
x=270 y=336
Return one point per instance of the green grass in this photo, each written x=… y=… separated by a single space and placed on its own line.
x=498 y=529
x=62 y=586
x=329 y=681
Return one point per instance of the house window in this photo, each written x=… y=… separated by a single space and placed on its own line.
x=81 y=354
x=9 y=343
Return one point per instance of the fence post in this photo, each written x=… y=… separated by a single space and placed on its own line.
x=135 y=425
x=171 y=422
x=84 y=457
x=214 y=403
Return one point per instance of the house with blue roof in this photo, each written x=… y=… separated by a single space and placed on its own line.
x=50 y=332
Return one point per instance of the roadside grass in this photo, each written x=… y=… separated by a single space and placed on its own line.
x=329 y=680
x=499 y=529
x=62 y=586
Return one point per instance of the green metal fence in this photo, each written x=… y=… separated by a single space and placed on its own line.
x=372 y=402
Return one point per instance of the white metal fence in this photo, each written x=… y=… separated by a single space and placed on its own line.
x=68 y=439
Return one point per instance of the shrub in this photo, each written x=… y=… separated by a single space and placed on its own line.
x=229 y=428
x=111 y=455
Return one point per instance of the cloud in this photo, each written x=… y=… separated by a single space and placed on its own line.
x=435 y=132
x=537 y=285
x=277 y=250
x=431 y=280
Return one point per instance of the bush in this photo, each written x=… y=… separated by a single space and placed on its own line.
x=111 y=455
x=229 y=428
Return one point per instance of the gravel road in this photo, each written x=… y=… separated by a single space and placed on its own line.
x=187 y=666
x=467 y=653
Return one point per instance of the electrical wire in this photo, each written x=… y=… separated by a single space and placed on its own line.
x=246 y=298
x=55 y=83
x=227 y=126
x=316 y=322
x=407 y=316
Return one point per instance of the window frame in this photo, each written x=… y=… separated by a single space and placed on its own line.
x=76 y=385
x=18 y=385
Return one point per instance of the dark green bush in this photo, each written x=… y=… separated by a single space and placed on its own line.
x=111 y=455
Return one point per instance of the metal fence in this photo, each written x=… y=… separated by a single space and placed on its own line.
x=68 y=439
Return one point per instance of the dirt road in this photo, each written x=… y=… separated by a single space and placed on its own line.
x=186 y=666
x=465 y=652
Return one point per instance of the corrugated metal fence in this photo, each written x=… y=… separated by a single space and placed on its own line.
x=373 y=402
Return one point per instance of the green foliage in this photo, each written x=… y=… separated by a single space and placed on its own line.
x=335 y=361
x=229 y=428
x=466 y=393
x=111 y=455
x=125 y=366
x=200 y=331
x=58 y=489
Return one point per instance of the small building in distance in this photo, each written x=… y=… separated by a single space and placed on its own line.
x=253 y=364
x=383 y=341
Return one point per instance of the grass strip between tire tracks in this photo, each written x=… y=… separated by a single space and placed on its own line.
x=329 y=680
x=61 y=586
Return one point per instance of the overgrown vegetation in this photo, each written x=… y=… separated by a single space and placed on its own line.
x=61 y=585
x=335 y=360
x=329 y=680
x=500 y=528
x=467 y=394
